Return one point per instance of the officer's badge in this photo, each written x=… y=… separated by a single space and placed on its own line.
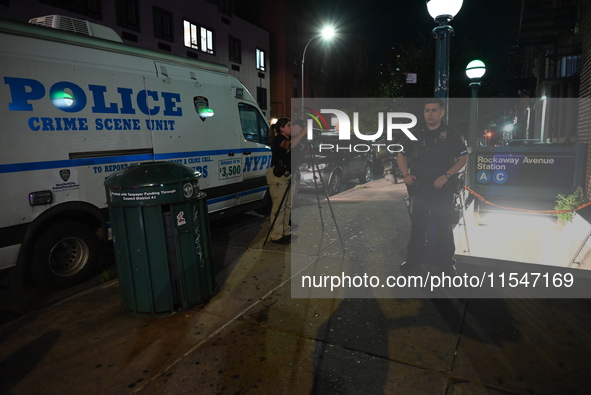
x=202 y=107
x=442 y=135
x=65 y=174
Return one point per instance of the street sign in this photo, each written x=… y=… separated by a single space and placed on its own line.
x=411 y=78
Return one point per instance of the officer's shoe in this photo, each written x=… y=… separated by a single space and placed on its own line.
x=410 y=268
x=282 y=240
x=449 y=268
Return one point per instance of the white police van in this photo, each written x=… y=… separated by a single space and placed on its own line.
x=74 y=109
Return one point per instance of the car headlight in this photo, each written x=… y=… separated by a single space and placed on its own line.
x=307 y=167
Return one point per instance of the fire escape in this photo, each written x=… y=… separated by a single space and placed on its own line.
x=546 y=66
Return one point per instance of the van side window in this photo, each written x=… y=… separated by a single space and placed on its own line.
x=254 y=126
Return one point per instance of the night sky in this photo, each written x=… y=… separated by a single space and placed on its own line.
x=390 y=23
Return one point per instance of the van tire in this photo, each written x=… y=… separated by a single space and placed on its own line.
x=64 y=255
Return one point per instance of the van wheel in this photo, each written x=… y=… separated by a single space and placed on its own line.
x=64 y=255
x=367 y=174
x=334 y=185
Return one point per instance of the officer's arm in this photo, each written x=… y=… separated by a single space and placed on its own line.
x=403 y=166
x=295 y=140
x=459 y=165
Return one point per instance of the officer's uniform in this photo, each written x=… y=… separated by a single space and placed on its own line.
x=278 y=182
x=430 y=157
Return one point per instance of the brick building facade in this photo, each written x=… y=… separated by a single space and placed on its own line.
x=584 y=124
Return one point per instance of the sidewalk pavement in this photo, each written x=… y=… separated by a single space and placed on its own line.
x=253 y=337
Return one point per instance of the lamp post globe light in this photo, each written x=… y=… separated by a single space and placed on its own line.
x=444 y=9
x=327 y=34
x=475 y=70
x=442 y=12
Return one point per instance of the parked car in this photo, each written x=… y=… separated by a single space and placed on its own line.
x=335 y=167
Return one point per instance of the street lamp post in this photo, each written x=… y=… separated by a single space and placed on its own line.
x=327 y=34
x=443 y=11
x=474 y=70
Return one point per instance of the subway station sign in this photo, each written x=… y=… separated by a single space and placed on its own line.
x=525 y=169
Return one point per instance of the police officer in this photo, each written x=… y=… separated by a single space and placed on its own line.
x=437 y=157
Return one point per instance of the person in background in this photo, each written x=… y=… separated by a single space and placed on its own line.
x=279 y=177
x=437 y=156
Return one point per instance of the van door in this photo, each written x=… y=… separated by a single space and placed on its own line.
x=204 y=140
x=255 y=152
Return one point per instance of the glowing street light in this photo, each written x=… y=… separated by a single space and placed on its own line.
x=442 y=12
x=327 y=34
x=508 y=128
x=475 y=70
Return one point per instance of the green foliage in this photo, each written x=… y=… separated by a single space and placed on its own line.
x=569 y=202
x=108 y=275
x=413 y=57
x=418 y=56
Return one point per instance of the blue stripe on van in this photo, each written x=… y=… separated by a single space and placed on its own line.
x=57 y=164
x=174 y=155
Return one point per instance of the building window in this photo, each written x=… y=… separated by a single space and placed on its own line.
x=163 y=24
x=235 y=50
x=224 y=6
x=206 y=40
x=261 y=65
x=90 y=8
x=198 y=37
x=128 y=14
x=191 y=37
x=262 y=98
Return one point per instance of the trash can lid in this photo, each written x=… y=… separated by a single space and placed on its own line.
x=151 y=174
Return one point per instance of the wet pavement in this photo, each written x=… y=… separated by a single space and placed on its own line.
x=253 y=337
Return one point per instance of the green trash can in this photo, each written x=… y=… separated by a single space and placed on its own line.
x=161 y=236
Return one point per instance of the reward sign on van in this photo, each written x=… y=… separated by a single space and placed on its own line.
x=230 y=168
x=27 y=94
